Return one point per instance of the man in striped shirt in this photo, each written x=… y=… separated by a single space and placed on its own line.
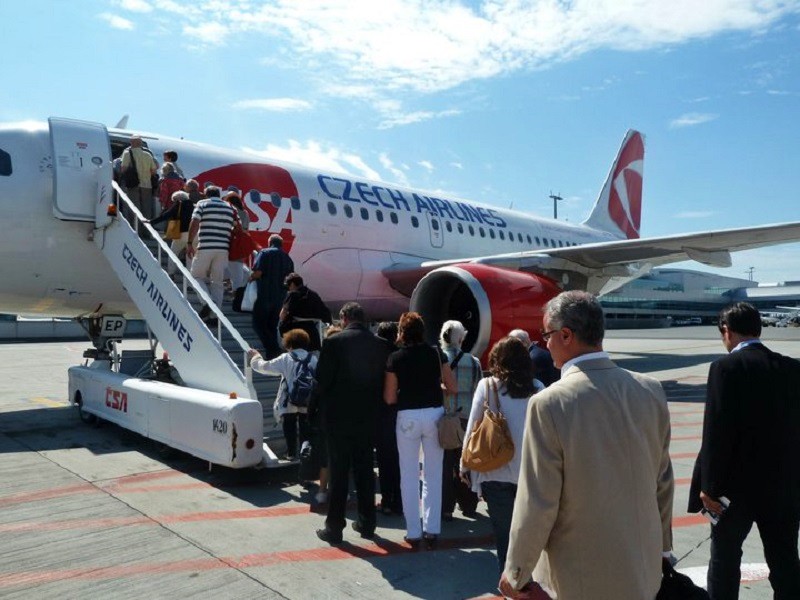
x=213 y=221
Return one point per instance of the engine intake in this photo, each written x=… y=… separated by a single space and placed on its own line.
x=489 y=301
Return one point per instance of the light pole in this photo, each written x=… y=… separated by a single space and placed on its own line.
x=749 y=272
x=555 y=198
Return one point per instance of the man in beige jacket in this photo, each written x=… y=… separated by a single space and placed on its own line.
x=596 y=486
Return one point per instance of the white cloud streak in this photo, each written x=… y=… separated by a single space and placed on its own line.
x=433 y=45
x=140 y=6
x=691 y=119
x=118 y=22
x=273 y=104
x=317 y=155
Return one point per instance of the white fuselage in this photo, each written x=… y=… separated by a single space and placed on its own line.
x=341 y=231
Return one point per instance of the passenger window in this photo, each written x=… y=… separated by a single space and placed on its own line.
x=538 y=241
x=393 y=217
x=502 y=234
x=295 y=202
x=275 y=198
x=5 y=163
x=546 y=243
x=435 y=224
x=560 y=244
x=448 y=225
x=415 y=221
x=519 y=238
x=379 y=216
x=365 y=214
x=332 y=209
x=460 y=228
x=552 y=243
x=528 y=237
x=481 y=231
x=471 y=230
x=491 y=233
x=313 y=205
x=348 y=210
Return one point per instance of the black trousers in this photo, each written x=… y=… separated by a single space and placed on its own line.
x=265 y=322
x=779 y=536
x=453 y=489
x=291 y=423
x=388 y=459
x=345 y=451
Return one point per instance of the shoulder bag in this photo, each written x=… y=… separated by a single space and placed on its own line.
x=130 y=176
x=489 y=446
x=242 y=244
x=174 y=226
x=451 y=432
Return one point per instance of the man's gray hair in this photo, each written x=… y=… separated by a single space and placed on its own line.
x=179 y=196
x=580 y=312
x=353 y=313
x=452 y=334
x=521 y=335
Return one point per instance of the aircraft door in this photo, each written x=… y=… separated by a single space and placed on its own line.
x=436 y=229
x=81 y=168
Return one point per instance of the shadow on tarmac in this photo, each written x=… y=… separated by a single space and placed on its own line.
x=650 y=362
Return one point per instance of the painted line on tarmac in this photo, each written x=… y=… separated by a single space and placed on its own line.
x=48 y=402
x=68 y=490
x=346 y=551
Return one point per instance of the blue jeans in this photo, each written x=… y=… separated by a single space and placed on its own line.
x=499 y=496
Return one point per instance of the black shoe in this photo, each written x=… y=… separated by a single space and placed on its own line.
x=413 y=542
x=205 y=311
x=431 y=540
x=327 y=535
x=367 y=534
x=470 y=514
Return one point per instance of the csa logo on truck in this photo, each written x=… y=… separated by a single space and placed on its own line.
x=117 y=400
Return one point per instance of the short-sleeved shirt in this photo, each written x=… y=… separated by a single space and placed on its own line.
x=419 y=376
x=216 y=223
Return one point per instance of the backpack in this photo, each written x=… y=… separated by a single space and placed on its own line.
x=303 y=385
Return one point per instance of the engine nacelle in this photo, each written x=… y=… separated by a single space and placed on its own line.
x=489 y=301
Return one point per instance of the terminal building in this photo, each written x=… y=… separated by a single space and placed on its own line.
x=667 y=297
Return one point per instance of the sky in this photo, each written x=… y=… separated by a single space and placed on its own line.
x=498 y=102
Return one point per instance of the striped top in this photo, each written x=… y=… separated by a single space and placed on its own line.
x=216 y=223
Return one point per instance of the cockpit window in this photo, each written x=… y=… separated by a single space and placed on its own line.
x=5 y=163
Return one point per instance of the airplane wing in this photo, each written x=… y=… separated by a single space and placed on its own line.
x=605 y=266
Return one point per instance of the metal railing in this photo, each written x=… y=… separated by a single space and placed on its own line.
x=189 y=282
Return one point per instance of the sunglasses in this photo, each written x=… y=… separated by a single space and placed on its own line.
x=546 y=334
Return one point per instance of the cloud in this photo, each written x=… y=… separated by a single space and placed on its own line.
x=695 y=214
x=140 y=6
x=117 y=22
x=691 y=119
x=314 y=154
x=457 y=165
x=398 y=174
x=273 y=104
x=433 y=45
x=426 y=164
x=397 y=117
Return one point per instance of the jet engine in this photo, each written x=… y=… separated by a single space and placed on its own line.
x=489 y=301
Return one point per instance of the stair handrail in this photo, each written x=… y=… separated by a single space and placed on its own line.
x=188 y=279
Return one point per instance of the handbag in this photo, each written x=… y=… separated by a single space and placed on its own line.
x=249 y=296
x=489 y=446
x=174 y=226
x=242 y=245
x=677 y=586
x=130 y=176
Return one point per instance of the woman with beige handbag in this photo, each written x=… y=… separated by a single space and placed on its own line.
x=506 y=394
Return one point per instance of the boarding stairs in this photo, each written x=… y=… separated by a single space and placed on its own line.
x=206 y=358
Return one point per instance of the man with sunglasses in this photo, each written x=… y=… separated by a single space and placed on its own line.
x=595 y=488
x=751 y=456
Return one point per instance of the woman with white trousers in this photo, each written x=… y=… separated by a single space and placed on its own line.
x=415 y=376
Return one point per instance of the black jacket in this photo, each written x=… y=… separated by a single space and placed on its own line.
x=751 y=433
x=350 y=375
x=185 y=207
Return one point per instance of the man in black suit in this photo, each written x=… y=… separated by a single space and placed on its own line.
x=750 y=455
x=350 y=379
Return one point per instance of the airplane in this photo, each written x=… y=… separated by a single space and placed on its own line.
x=386 y=246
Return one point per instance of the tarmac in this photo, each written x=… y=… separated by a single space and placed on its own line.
x=98 y=512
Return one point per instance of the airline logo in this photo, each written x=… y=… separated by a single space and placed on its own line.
x=257 y=182
x=625 y=201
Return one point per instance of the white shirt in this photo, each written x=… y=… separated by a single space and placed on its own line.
x=514 y=410
x=583 y=357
